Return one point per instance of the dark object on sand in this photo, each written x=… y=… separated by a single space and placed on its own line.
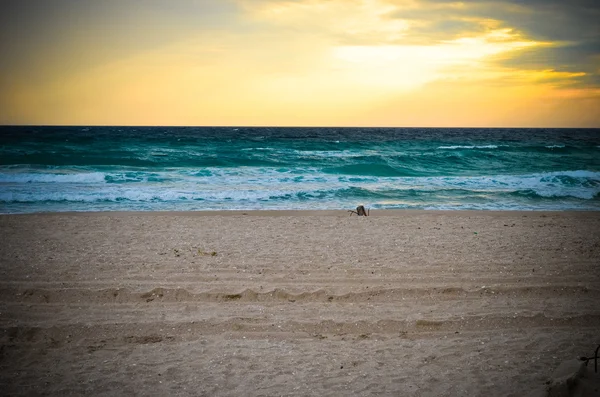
x=573 y=378
x=360 y=211
x=595 y=358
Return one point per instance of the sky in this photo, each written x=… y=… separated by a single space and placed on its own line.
x=397 y=63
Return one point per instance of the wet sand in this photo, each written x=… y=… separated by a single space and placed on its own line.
x=418 y=303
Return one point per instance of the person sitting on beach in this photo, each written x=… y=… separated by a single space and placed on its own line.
x=360 y=211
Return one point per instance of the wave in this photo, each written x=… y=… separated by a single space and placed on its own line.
x=82 y=177
x=533 y=194
x=369 y=170
x=149 y=195
x=395 y=159
x=578 y=184
x=52 y=168
x=268 y=187
x=536 y=149
x=454 y=147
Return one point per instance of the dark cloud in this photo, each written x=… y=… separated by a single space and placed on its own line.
x=41 y=38
x=541 y=20
x=557 y=20
x=570 y=25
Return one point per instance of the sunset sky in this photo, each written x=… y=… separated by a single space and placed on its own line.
x=504 y=63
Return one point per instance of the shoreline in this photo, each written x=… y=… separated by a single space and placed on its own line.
x=336 y=213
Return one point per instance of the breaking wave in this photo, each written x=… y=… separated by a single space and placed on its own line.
x=98 y=169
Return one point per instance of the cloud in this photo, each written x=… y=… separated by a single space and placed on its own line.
x=41 y=38
x=51 y=43
x=540 y=19
x=295 y=62
x=333 y=21
x=569 y=27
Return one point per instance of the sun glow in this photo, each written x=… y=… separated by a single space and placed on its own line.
x=411 y=66
x=302 y=62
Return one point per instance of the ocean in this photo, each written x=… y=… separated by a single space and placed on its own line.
x=52 y=169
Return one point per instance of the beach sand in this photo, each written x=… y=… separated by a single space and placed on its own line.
x=412 y=303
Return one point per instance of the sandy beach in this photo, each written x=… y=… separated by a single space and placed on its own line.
x=412 y=303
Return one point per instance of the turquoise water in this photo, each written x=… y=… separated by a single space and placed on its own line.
x=167 y=168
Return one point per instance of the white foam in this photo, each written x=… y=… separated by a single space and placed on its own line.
x=269 y=187
x=544 y=184
x=336 y=153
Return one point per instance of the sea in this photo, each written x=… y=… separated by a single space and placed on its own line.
x=54 y=169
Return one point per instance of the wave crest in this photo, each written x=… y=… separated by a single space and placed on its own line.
x=84 y=177
x=455 y=147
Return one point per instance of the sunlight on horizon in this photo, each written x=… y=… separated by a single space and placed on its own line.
x=309 y=62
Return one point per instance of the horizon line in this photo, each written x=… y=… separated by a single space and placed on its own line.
x=284 y=126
